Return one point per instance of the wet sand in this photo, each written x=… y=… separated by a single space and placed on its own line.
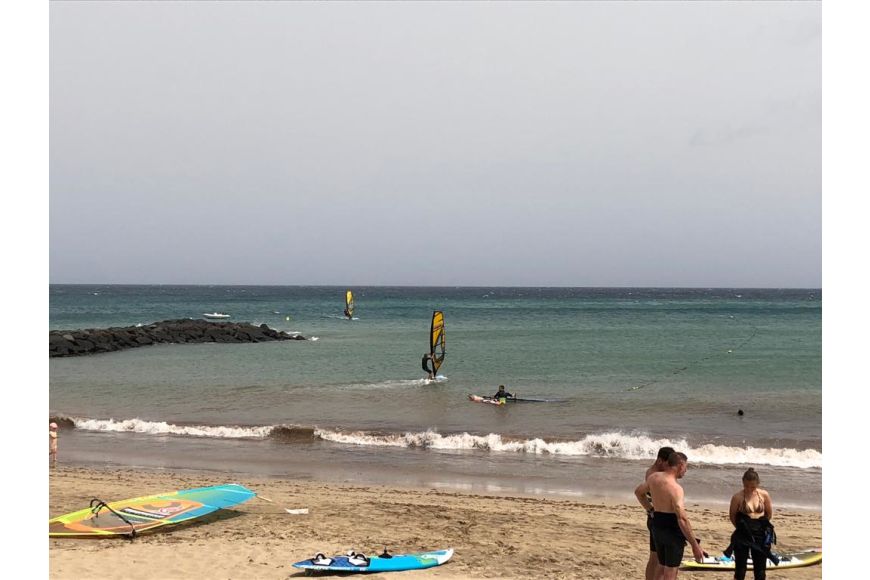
x=493 y=536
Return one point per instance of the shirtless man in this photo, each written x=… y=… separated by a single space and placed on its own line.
x=671 y=527
x=645 y=500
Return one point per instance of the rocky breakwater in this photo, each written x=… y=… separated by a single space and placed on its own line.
x=95 y=340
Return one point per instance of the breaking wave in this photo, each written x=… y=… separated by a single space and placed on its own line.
x=164 y=428
x=616 y=445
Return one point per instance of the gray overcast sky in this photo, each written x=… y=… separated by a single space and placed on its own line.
x=579 y=144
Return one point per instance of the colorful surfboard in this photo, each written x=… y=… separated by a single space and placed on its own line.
x=487 y=400
x=397 y=563
x=130 y=517
x=791 y=560
x=495 y=401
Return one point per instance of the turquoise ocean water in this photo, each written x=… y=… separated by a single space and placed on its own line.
x=636 y=368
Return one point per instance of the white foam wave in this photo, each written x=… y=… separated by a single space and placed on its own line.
x=437 y=379
x=395 y=383
x=615 y=445
x=388 y=384
x=163 y=428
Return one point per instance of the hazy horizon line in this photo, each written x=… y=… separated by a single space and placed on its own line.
x=699 y=287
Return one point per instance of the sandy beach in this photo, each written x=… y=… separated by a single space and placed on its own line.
x=493 y=536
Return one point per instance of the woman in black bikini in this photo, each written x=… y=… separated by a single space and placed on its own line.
x=750 y=512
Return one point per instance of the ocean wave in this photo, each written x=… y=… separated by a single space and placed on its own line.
x=616 y=445
x=164 y=428
x=283 y=433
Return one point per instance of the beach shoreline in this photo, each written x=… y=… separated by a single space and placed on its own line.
x=599 y=477
x=494 y=536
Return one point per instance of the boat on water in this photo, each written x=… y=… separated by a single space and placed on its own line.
x=215 y=315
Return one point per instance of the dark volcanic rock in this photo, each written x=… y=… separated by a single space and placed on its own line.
x=94 y=340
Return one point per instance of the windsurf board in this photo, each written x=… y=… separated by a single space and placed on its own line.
x=394 y=563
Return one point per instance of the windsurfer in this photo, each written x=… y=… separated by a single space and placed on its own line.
x=502 y=394
x=348 y=305
x=429 y=366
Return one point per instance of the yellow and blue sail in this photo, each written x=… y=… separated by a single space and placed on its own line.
x=131 y=516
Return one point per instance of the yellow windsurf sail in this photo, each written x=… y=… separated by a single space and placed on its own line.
x=348 y=304
x=436 y=340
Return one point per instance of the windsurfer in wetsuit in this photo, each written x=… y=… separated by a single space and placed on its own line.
x=645 y=500
x=670 y=526
x=429 y=366
x=502 y=394
x=346 y=313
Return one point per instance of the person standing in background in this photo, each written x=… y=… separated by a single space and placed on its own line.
x=52 y=444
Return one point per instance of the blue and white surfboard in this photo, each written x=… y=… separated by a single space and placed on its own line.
x=397 y=563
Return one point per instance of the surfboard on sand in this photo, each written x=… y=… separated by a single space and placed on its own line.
x=129 y=517
x=788 y=560
x=394 y=563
